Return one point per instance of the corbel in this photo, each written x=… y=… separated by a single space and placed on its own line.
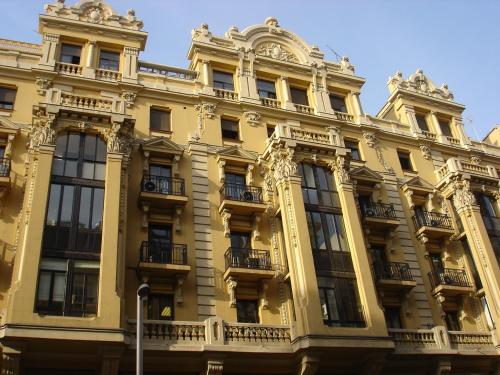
x=231 y=290
x=175 y=165
x=405 y=305
x=255 y=227
x=226 y=217
x=222 y=172
x=145 y=215
x=263 y=289
x=146 y=162
x=249 y=174
x=178 y=214
x=409 y=198
x=179 y=297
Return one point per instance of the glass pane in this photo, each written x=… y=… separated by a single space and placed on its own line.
x=77 y=289
x=159 y=120
x=309 y=176
x=422 y=123
x=44 y=286
x=313 y=196
x=59 y=287
x=70 y=169
x=61 y=145
x=91 y=288
x=332 y=304
x=101 y=150
x=109 y=60
x=339 y=223
x=318 y=230
x=84 y=214
x=73 y=145
x=54 y=199
x=67 y=206
x=311 y=230
x=90 y=147
x=99 y=171
x=89 y=264
x=160 y=170
x=299 y=96
x=332 y=231
x=57 y=167
x=53 y=264
x=97 y=208
x=322 y=301
x=88 y=170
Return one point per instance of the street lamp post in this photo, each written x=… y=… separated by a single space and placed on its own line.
x=142 y=292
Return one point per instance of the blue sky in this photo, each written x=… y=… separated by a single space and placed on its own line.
x=453 y=41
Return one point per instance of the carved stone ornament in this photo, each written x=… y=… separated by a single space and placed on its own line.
x=342 y=168
x=371 y=139
x=463 y=197
x=276 y=51
x=118 y=141
x=129 y=98
x=419 y=83
x=209 y=110
x=426 y=151
x=42 y=134
x=43 y=85
x=474 y=159
x=253 y=117
x=226 y=217
x=282 y=163
x=231 y=290
x=214 y=367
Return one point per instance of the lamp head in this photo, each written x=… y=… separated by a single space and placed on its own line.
x=143 y=290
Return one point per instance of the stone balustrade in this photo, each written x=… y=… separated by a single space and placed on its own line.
x=107 y=75
x=226 y=94
x=167 y=71
x=454 y=141
x=272 y=103
x=344 y=116
x=439 y=340
x=69 y=69
x=86 y=102
x=429 y=135
x=304 y=109
x=256 y=333
x=330 y=137
x=457 y=166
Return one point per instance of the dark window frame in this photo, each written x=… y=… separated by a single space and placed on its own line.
x=157 y=298
x=353 y=145
x=405 y=161
x=74 y=59
x=422 y=122
x=338 y=99
x=221 y=84
x=230 y=133
x=161 y=112
x=294 y=91
x=264 y=93
x=5 y=104
x=108 y=63
x=325 y=196
x=253 y=302
x=346 y=301
x=445 y=126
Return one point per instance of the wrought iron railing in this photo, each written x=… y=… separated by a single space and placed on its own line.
x=239 y=192
x=327 y=261
x=4 y=167
x=392 y=271
x=378 y=210
x=163 y=253
x=162 y=185
x=448 y=276
x=248 y=258
x=431 y=219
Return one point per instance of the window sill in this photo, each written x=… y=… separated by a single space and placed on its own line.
x=231 y=142
x=6 y=112
x=358 y=163
x=161 y=133
x=410 y=173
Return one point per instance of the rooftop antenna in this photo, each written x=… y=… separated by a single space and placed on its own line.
x=337 y=56
x=470 y=120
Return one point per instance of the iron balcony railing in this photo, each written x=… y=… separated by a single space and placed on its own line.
x=248 y=258
x=431 y=219
x=392 y=271
x=4 y=167
x=162 y=185
x=378 y=210
x=242 y=193
x=328 y=261
x=163 y=253
x=448 y=276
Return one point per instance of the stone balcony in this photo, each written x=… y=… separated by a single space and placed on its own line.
x=455 y=167
x=326 y=140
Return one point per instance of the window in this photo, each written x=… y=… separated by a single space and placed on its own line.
x=299 y=96
x=247 y=311
x=393 y=317
x=487 y=313
x=160 y=307
x=491 y=221
x=266 y=89
x=67 y=287
x=4 y=163
x=240 y=240
x=70 y=54
x=452 y=321
x=109 y=60
x=159 y=119
x=338 y=103
x=234 y=186
x=160 y=244
x=74 y=215
x=229 y=129
x=317 y=186
x=7 y=97
x=354 y=147
x=223 y=80
x=405 y=161
x=445 y=128
x=339 y=302
x=422 y=123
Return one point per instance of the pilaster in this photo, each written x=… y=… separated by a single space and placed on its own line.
x=89 y=69
x=435 y=122
x=285 y=92
x=49 y=51
x=130 y=65
x=412 y=120
x=459 y=125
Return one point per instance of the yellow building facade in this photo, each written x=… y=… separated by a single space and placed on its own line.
x=281 y=229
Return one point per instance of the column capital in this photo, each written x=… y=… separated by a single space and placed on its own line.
x=463 y=198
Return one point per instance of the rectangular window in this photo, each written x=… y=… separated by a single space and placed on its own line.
x=317 y=186
x=393 y=317
x=422 y=122
x=270 y=131
x=266 y=89
x=247 y=311
x=7 y=97
x=405 y=161
x=338 y=103
x=229 y=129
x=339 y=303
x=109 y=60
x=223 y=80
x=299 y=96
x=354 y=147
x=160 y=307
x=234 y=186
x=70 y=54
x=452 y=321
x=159 y=119
x=445 y=128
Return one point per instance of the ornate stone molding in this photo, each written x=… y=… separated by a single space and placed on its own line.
x=475 y=159
x=129 y=97
x=118 y=139
x=372 y=141
x=276 y=51
x=463 y=197
x=43 y=85
x=426 y=152
x=341 y=166
x=282 y=163
x=231 y=284
x=42 y=133
x=253 y=118
x=226 y=217
x=419 y=83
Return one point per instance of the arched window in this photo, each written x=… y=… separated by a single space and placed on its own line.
x=71 y=246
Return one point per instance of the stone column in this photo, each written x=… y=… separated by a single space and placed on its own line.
x=366 y=287
x=286 y=96
x=481 y=249
x=130 y=65
x=459 y=125
x=435 y=122
x=206 y=77
x=358 y=110
x=89 y=68
x=246 y=81
x=49 y=51
x=298 y=247
x=28 y=250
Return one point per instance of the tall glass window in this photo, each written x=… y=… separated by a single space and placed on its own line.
x=69 y=269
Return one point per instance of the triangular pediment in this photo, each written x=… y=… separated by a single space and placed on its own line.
x=236 y=153
x=162 y=145
x=8 y=126
x=419 y=184
x=365 y=174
